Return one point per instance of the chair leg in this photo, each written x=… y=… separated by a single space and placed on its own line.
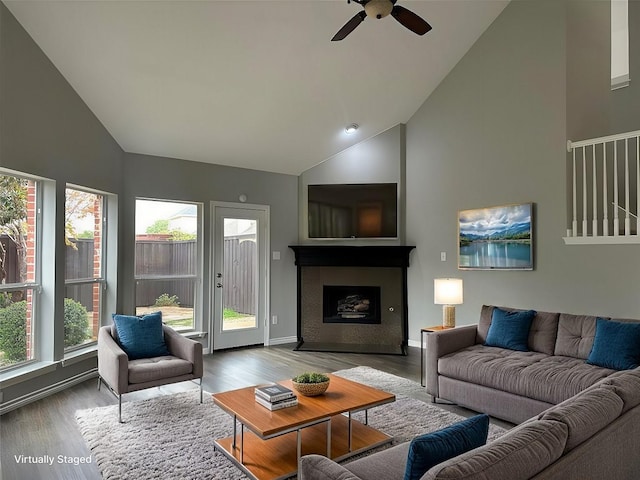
x=201 y=390
x=120 y=408
x=99 y=382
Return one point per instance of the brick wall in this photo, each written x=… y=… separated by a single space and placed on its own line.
x=30 y=261
x=97 y=264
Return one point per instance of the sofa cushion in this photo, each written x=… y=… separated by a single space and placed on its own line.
x=317 y=467
x=616 y=345
x=430 y=449
x=542 y=334
x=586 y=414
x=518 y=455
x=510 y=329
x=575 y=335
x=626 y=384
x=155 y=368
x=550 y=379
x=389 y=463
x=141 y=337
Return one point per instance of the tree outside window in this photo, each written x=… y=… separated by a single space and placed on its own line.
x=18 y=269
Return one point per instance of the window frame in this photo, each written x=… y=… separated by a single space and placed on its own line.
x=101 y=280
x=195 y=278
x=35 y=286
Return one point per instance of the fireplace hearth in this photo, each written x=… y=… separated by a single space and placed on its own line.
x=352 y=299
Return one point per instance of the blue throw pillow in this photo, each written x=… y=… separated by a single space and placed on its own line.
x=141 y=337
x=616 y=345
x=433 y=448
x=510 y=329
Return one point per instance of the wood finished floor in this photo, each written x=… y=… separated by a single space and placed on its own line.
x=48 y=426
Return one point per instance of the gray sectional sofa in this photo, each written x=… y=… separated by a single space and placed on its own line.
x=592 y=435
x=509 y=384
x=577 y=421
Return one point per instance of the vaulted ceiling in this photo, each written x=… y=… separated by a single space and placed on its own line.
x=253 y=84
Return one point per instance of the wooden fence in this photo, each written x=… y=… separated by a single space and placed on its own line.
x=161 y=258
x=11 y=269
x=180 y=258
x=165 y=258
x=79 y=265
x=239 y=276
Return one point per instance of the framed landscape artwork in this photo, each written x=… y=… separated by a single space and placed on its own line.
x=496 y=238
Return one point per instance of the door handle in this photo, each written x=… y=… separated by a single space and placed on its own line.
x=218 y=285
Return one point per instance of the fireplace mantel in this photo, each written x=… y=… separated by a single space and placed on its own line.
x=350 y=256
x=371 y=262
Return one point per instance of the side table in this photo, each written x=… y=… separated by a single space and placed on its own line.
x=423 y=332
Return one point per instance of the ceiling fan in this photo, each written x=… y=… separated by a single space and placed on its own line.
x=380 y=9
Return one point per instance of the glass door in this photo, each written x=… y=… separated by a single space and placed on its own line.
x=239 y=276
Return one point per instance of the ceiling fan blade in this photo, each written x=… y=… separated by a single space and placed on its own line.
x=410 y=20
x=349 y=26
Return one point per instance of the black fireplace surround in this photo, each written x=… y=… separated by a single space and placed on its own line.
x=352 y=298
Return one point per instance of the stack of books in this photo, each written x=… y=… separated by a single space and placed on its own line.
x=275 y=397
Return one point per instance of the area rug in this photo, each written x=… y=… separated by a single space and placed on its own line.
x=171 y=436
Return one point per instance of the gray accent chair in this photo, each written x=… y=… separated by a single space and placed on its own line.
x=122 y=375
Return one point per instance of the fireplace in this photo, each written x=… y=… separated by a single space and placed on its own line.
x=351 y=304
x=352 y=299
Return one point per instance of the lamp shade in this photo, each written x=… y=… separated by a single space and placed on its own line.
x=447 y=291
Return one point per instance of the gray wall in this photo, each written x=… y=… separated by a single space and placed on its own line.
x=624 y=104
x=379 y=159
x=494 y=133
x=46 y=130
x=593 y=109
x=166 y=178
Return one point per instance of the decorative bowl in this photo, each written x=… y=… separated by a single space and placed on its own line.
x=310 y=389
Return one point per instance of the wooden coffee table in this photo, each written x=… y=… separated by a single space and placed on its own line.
x=274 y=441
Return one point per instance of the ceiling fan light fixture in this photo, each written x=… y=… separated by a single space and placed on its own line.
x=350 y=129
x=378 y=8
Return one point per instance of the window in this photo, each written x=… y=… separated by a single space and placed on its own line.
x=85 y=231
x=619 y=44
x=19 y=269
x=168 y=259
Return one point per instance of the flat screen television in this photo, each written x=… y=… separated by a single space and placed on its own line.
x=496 y=238
x=356 y=210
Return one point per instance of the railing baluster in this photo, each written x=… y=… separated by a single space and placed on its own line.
x=584 y=191
x=605 y=200
x=574 y=222
x=594 y=221
x=616 y=219
x=627 y=206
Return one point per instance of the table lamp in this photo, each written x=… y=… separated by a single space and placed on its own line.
x=447 y=292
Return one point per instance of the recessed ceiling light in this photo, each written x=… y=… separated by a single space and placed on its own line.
x=351 y=128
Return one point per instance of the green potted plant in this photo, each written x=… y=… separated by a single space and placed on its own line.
x=311 y=384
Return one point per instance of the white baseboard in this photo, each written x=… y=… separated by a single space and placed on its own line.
x=48 y=390
x=414 y=343
x=282 y=340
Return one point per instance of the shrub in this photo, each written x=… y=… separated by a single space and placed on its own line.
x=13 y=331
x=165 y=300
x=311 y=378
x=5 y=300
x=76 y=323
